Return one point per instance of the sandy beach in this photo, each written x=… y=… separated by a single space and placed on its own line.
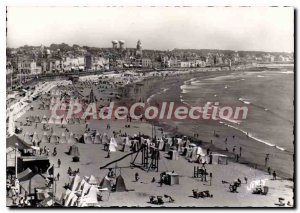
x=93 y=156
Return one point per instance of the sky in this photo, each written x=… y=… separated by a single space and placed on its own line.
x=164 y=28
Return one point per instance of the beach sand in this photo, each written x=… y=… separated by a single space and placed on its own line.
x=92 y=156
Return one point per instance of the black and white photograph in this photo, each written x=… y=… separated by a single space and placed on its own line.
x=150 y=106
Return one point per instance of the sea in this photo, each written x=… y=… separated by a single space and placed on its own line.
x=268 y=95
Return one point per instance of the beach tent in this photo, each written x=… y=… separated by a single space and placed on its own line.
x=113 y=145
x=217 y=158
x=37 y=119
x=45 y=138
x=53 y=138
x=81 y=185
x=85 y=188
x=161 y=144
x=64 y=196
x=91 y=196
x=75 y=183
x=27 y=138
x=51 y=120
x=44 y=120
x=173 y=155
x=63 y=138
x=64 y=121
x=35 y=138
x=97 y=138
x=93 y=180
x=74 y=151
x=127 y=145
x=72 y=139
x=70 y=199
x=57 y=120
x=88 y=139
x=120 y=184
x=106 y=183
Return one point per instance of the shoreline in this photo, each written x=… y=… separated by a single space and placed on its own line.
x=154 y=93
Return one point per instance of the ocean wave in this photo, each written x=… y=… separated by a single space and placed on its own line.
x=244 y=101
x=287 y=72
x=254 y=137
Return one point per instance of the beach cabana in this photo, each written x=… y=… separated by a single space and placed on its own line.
x=88 y=139
x=97 y=139
x=35 y=138
x=72 y=139
x=63 y=138
x=216 y=158
x=113 y=145
x=127 y=145
x=106 y=183
x=74 y=151
x=93 y=180
x=161 y=144
x=36 y=181
x=75 y=183
x=45 y=138
x=53 y=138
x=120 y=184
x=44 y=120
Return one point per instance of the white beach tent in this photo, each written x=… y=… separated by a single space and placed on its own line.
x=75 y=183
x=88 y=139
x=113 y=145
x=44 y=120
x=161 y=144
x=72 y=139
x=93 y=180
x=63 y=138
x=90 y=197
x=35 y=138
x=97 y=139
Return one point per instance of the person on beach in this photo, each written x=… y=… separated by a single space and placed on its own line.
x=137 y=177
x=57 y=176
x=240 y=151
x=274 y=175
x=58 y=163
x=266 y=159
x=269 y=170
